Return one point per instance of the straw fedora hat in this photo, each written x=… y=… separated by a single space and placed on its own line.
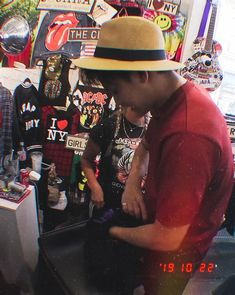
x=129 y=43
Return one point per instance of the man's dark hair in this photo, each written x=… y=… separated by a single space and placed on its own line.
x=95 y=77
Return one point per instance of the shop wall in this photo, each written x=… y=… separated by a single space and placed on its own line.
x=194 y=10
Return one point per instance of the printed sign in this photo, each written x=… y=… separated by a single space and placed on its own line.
x=102 y=12
x=231 y=130
x=83 y=34
x=67 y=5
x=77 y=142
x=53 y=34
x=162 y=6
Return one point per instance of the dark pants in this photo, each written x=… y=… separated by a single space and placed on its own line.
x=167 y=273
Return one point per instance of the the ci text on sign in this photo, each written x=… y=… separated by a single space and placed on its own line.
x=83 y=34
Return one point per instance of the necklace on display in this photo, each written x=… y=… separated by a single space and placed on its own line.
x=131 y=129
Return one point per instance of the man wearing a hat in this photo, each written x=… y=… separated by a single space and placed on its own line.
x=186 y=152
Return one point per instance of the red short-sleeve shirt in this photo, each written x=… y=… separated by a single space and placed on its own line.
x=190 y=174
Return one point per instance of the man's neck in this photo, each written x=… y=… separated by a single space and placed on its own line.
x=171 y=83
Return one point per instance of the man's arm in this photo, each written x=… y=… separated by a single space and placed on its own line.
x=132 y=198
x=154 y=236
x=87 y=164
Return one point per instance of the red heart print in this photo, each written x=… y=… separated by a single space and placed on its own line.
x=62 y=124
x=157 y=4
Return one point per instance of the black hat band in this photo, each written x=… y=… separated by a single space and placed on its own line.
x=129 y=54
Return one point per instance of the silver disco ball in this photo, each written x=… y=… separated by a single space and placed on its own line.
x=14 y=35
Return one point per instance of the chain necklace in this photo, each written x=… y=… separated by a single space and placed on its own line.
x=131 y=129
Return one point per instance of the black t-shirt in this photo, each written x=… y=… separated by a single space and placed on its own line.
x=116 y=155
x=53 y=91
x=93 y=104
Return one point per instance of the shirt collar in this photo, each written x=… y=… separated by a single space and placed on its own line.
x=172 y=102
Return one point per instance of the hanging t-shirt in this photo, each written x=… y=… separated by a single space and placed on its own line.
x=116 y=155
x=57 y=124
x=93 y=103
x=54 y=83
x=27 y=117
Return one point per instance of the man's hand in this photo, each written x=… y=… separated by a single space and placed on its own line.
x=97 y=196
x=99 y=225
x=133 y=201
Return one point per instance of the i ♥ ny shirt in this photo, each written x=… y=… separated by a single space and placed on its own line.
x=57 y=124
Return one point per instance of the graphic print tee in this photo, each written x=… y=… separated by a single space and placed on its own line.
x=57 y=124
x=116 y=156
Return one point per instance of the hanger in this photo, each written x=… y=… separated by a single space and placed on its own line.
x=65 y=107
x=27 y=80
x=60 y=108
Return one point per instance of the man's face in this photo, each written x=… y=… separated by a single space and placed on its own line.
x=129 y=93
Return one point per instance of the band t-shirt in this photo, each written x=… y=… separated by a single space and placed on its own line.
x=93 y=103
x=116 y=156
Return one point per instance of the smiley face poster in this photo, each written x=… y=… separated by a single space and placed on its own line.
x=53 y=34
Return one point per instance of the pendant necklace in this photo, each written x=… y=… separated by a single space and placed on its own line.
x=131 y=129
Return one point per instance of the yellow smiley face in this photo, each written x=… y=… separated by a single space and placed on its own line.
x=163 y=21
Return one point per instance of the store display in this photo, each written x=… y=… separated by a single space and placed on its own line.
x=173 y=28
x=102 y=12
x=27 y=117
x=54 y=83
x=14 y=35
x=52 y=37
x=21 y=152
x=203 y=67
x=15 y=40
x=36 y=158
x=61 y=203
x=93 y=103
x=57 y=124
x=230 y=121
x=49 y=135
x=6 y=108
x=24 y=177
x=16 y=193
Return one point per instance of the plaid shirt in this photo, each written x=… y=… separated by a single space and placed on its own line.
x=6 y=113
x=56 y=125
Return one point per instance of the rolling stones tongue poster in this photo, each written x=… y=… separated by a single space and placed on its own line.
x=53 y=34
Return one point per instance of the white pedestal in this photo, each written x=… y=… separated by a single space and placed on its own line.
x=18 y=239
